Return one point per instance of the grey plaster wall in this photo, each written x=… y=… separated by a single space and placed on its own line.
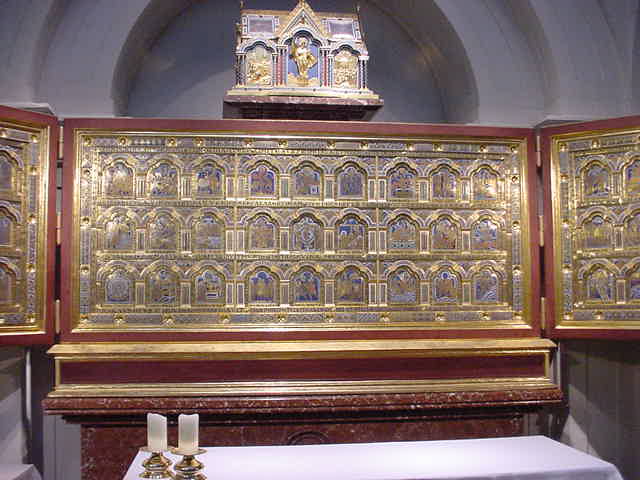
x=13 y=427
x=601 y=380
x=515 y=62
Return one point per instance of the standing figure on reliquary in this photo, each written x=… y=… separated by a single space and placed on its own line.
x=301 y=53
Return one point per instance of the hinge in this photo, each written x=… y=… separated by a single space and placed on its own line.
x=541 y=228
x=57 y=316
x=538 y=156
x=60 y=144
x=543 y=312
x=58 y=228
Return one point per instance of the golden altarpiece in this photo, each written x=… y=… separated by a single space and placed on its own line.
x=206 y=264
x=221 y=232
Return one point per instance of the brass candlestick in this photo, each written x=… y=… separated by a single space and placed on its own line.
x=188 y=468
x=156 y=466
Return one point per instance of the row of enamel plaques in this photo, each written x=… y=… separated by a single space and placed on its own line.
x=220 y=232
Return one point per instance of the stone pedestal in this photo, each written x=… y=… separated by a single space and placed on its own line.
x=299 y=108
x=114 y=428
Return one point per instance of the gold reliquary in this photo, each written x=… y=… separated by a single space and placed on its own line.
x=301 y=53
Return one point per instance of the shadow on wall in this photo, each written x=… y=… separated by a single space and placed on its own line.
x=190 y=67
x=13 y=436
x=601 y=381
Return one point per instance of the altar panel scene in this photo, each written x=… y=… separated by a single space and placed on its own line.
x=317 y=238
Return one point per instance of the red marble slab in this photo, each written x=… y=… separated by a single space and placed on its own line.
x=299 y=108
x=181 y=371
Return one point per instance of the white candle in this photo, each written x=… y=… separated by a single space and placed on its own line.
x=156 y=432
x=188 y=434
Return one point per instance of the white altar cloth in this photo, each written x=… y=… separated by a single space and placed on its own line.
x=514 y=458
x=15 y=471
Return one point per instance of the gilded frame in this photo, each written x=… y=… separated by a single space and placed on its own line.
x=577 y=258
x=342 y=142
x=31 y=139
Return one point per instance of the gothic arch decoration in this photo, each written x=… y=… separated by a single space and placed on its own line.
x=351 y=182
x=631 y=230
x=446 y=286
x=445 y=234
x=346 y=73
x=207 y=233
x=403 y=286
x=163 y=180
x=485 y=234
x=9 y=224
x=402 y=183
x=259 y=64
x=631 y=178
x=632 y=281
x=307 y=287
x=9 y=169
x=351 y=286
x=208 y=286
x=403 y=234
x=307 y=234
x=263 y=180
x=247 y=45
x=485 y=184
x=119 y=178
x=263 y=234
x=486 y=286
x=208 y=179
x=118 y=286
x=8 y=284
x=119 y=231
x=445 y=182
x=307 y=181
x=599 y=285
x=163 y=231
x=303 y=69
x=263 y=287
x=351 y=234
x=597 y=231
x=304 y=42
x=162 y=286
x=597 y=182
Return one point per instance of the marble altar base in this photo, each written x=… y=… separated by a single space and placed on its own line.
x=117 y=425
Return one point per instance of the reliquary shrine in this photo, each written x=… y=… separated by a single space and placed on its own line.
x=301 y=52
x=301 y=64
